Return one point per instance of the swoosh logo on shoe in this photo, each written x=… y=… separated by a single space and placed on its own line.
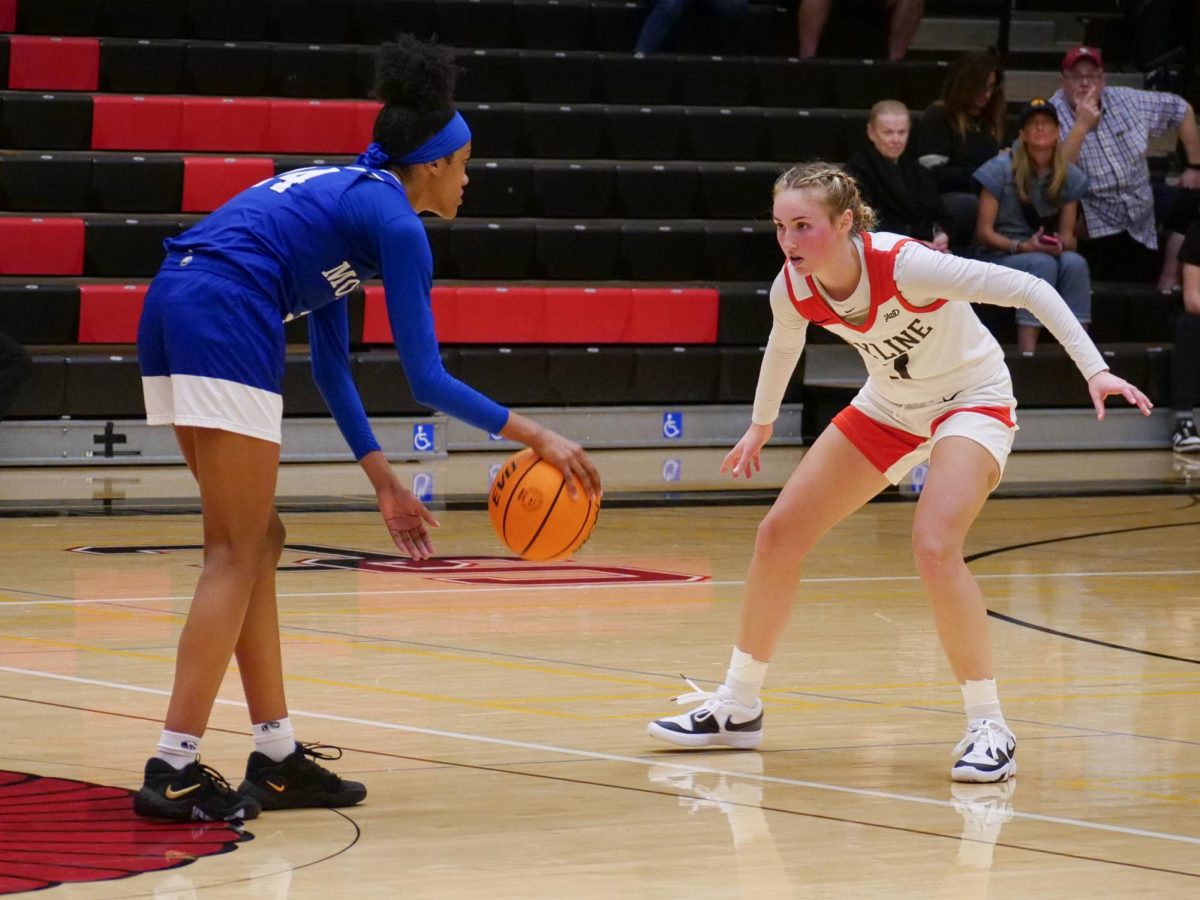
x=277 y=788
x=172 y=794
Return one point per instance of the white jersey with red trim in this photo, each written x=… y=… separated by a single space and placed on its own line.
x=911 y=321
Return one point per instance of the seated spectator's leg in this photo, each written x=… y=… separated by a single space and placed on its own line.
x=1075 y=285
x=1118 y=257
x=1045 y=267
x=811 y=18
x=15 y=368
x=1169 y=276
x=1176 y=208
x=963 y=209
x=906 y=19
x=1185 y=355
x=660 y=25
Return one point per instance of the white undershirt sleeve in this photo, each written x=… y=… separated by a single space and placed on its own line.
x=784 y=347
x=923 y=276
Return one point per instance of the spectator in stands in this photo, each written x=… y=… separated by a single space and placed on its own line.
x=666 y=18
x=211 y=349
x=1105 y=131
x=902 y=192
x=15 y=369
x=904 y=18
x=1185 y=355
x=1027 y=210
x=960 y=132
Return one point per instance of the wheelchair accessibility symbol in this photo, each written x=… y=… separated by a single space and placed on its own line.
x=672 y=425
x=422 y=438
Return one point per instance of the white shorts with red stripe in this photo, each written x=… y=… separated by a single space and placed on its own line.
x=895 y=438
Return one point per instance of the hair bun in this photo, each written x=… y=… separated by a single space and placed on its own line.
x=416 y=74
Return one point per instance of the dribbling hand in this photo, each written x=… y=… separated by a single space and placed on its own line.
x=744 y=457
x=570 y=459
x=406 y=519
x=1106 y=384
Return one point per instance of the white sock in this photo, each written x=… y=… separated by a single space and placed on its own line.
x=745 y=676
x=981 y=701
x=275 y=739
x=177 y=748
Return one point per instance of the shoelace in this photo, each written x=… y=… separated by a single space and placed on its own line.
x=214 y=777
x=314 y=750
x=710 y=699
x=989 y=731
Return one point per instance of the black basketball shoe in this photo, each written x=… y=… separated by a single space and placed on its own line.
x=193 y=793
x=299 y=781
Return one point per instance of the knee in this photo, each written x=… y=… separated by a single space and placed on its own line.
x=1073 y=265
x=778 y=537
x=276 y=537
x=935 y=555
x=1041 y=265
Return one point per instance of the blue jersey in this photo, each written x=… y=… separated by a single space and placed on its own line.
x=306 y=239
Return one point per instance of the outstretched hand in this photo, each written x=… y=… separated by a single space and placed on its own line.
x=744 y=457
x=406 y=519
x=1106 y=384
x=570 y=459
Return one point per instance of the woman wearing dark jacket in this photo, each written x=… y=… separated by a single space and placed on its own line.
x=903 y=194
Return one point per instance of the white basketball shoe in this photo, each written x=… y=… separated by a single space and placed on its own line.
x=985 y=754
x=719 y=721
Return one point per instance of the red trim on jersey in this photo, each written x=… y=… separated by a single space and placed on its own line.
x=881 y=444
x=812 y=307
x=900 y=298
x=1000 y=413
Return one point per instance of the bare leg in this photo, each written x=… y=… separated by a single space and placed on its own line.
x=1169 y=278
x=961 y=474
x=906 y=19
x=832 y=481
x=1191 y=289
x=810 y=20
x=237 y=476
x=259 y=657
x=1027 y=336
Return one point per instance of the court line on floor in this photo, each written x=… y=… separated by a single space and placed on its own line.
x=635 y=760
x=640 y=585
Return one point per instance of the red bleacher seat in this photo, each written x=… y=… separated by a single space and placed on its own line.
x=499 y=315
x=41 y=246
x=8 y=15
x=378 y=330
x=364 y=126
x=122 y=122
x=208 y=181
x=313 y=126
x=53 y=63
x=236 y=124
x=674 y=316
x=586 y=315
x=109 y=313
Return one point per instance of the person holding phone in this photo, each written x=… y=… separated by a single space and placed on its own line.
x=1028 y=205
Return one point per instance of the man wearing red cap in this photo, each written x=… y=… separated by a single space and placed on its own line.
x=1105 y=131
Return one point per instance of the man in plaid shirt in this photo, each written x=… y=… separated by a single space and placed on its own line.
x=1105 y=131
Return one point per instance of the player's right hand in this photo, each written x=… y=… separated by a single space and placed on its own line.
x=744 y=457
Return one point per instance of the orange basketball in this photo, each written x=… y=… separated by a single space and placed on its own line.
x=532 y=512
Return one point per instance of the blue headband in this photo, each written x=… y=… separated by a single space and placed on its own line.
x=454 y=135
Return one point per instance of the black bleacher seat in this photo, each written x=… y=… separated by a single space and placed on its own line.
x=437 y=231
x=565 y=132
x=43 y=395
x=791 y=83
x=734 y=251
x=616 y=23
x=228 y=69
x=491 y=249
x=854 y=124
x=488 y=75
x=118 y=247
x=713 y=81
x=589 y=375
x=44 y=182
x=143 y=18
x=382 y=385
x=103 y=386
x=510 y=375
x=136 y=183
x=376 y=21
x=572 y=189
x=311 y=21
x=657 y=190
x=311 y=70
x=554 y=25
x=645 y=132
x=644 y=80
x=859 y=84
x=770 y=29
x=739 y=375
x=584 y=251
x=228 y=20
x=497 y=188
x=660 y=251
x=36 y=121
x=725 y=134
x=676 y=375
x=496 y=128
x=60 y=17
x=924 y=79
x=801 y=134
x=40 y=313
x=738 y=191
x=141 y=66
x=476 y=23
x=744 y=313
x=301 y=396
x=558 y=77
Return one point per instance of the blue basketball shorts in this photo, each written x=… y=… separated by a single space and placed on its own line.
x=212 y=355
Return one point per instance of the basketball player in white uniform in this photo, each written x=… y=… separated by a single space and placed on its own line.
x=937 y=390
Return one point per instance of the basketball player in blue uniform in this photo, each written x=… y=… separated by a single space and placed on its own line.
x=211 y=347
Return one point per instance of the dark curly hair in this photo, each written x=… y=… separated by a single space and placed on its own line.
x=415 y=80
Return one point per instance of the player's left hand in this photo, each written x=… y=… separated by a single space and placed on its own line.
x=406 y=519
x=1105 y=384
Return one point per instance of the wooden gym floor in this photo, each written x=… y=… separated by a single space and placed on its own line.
x=496 y=710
